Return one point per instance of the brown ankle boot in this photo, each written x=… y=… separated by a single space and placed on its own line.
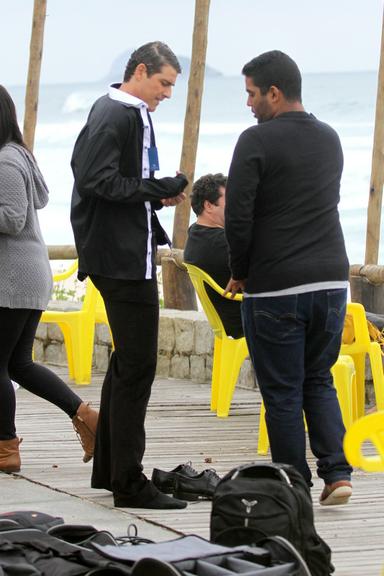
x=85 y=424
x=10 y=455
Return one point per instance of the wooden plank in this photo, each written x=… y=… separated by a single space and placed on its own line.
x=180 y=427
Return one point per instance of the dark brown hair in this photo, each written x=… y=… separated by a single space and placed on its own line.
x=154 y=55
x=207 y=188
x=275 y=68
x=9 y=128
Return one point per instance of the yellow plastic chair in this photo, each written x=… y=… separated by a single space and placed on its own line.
x=78 y=328
x=229 y=353
x=369 y=429
x=344 y=379
x=358 y=349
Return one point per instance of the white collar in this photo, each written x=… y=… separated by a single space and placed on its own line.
x=124 y=97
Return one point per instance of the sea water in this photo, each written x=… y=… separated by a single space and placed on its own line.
x=345 y=100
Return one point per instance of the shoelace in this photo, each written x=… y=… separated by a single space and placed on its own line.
x=211 y=473
x=191 y=468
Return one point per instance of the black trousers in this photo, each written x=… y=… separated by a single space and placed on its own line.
x=133 y=313
x=17 y=332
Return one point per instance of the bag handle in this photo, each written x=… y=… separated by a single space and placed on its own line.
x=289 y=548
x=276 y=468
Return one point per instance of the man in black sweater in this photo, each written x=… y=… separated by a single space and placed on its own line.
x=116 y=232
x=207 y=246
x=287 y=255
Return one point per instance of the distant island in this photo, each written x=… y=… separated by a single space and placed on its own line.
x=118 y=66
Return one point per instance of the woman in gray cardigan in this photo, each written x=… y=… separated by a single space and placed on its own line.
x=25 y=289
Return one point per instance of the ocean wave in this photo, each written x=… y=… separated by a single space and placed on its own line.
x=58 y=132
x=206 y=128
x=79 y=101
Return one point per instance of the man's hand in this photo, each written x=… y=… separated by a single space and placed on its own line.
x=234 y=286
x=173 y=201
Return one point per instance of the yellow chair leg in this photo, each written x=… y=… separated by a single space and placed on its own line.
x=216 y=373
x=343 y=375
x=78 y=339
x=262 y=441
x=233 y=353
x=359 y=360
x=66 y=330
x=82 y=346
x=376 y=361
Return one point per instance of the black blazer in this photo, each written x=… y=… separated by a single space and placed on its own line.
x=108 y=214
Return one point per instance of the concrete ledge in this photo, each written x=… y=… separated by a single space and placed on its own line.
x=185 y=346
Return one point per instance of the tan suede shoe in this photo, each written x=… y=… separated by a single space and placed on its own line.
x=336 y=493
x=10 y=455
x=85 y=425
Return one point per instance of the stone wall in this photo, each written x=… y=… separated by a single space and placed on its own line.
x=185 y=347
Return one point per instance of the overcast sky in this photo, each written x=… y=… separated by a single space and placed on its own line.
x=83 y=37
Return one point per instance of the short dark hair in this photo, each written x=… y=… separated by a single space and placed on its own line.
x=206 y=188
x=154 y=55
x=275 y=68
x=9 y=128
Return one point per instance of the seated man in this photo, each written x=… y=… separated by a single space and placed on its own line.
x=207 y=247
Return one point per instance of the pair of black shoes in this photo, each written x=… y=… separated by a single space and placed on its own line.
x=185 y=483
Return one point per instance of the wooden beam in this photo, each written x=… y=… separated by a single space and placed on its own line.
x=178 y=290
x=68 y=252
x=377 y=173
x=192 y=118
x=35 y=57
x=372 y=272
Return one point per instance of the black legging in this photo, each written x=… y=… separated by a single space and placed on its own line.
x=17 y=332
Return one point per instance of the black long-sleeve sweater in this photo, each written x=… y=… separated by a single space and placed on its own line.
x=281 y=219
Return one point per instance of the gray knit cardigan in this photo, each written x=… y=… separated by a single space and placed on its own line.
x=25 y=272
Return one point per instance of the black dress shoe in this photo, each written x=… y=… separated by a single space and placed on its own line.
x=159 y=501
x=165 y=481
x=200 y=487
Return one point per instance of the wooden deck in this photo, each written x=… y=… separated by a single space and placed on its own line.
x=181 y=428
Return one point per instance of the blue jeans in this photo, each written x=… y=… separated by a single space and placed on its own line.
x=293 y=342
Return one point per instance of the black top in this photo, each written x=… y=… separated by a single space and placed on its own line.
x=281 y=219
x=108 y=214
x=207 y=248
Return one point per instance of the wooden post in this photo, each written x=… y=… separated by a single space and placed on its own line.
x=377 y=174
x=181 y=293
x=192 y=118
x=178 y=290
x=35 y=57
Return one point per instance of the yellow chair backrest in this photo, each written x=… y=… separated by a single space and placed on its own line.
x=200 y=279
x=91 y=293
x=78 y=328
x=349 y=334
x=355 y=336
x=59 y=276
x=360 y=346
x=370 y=429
